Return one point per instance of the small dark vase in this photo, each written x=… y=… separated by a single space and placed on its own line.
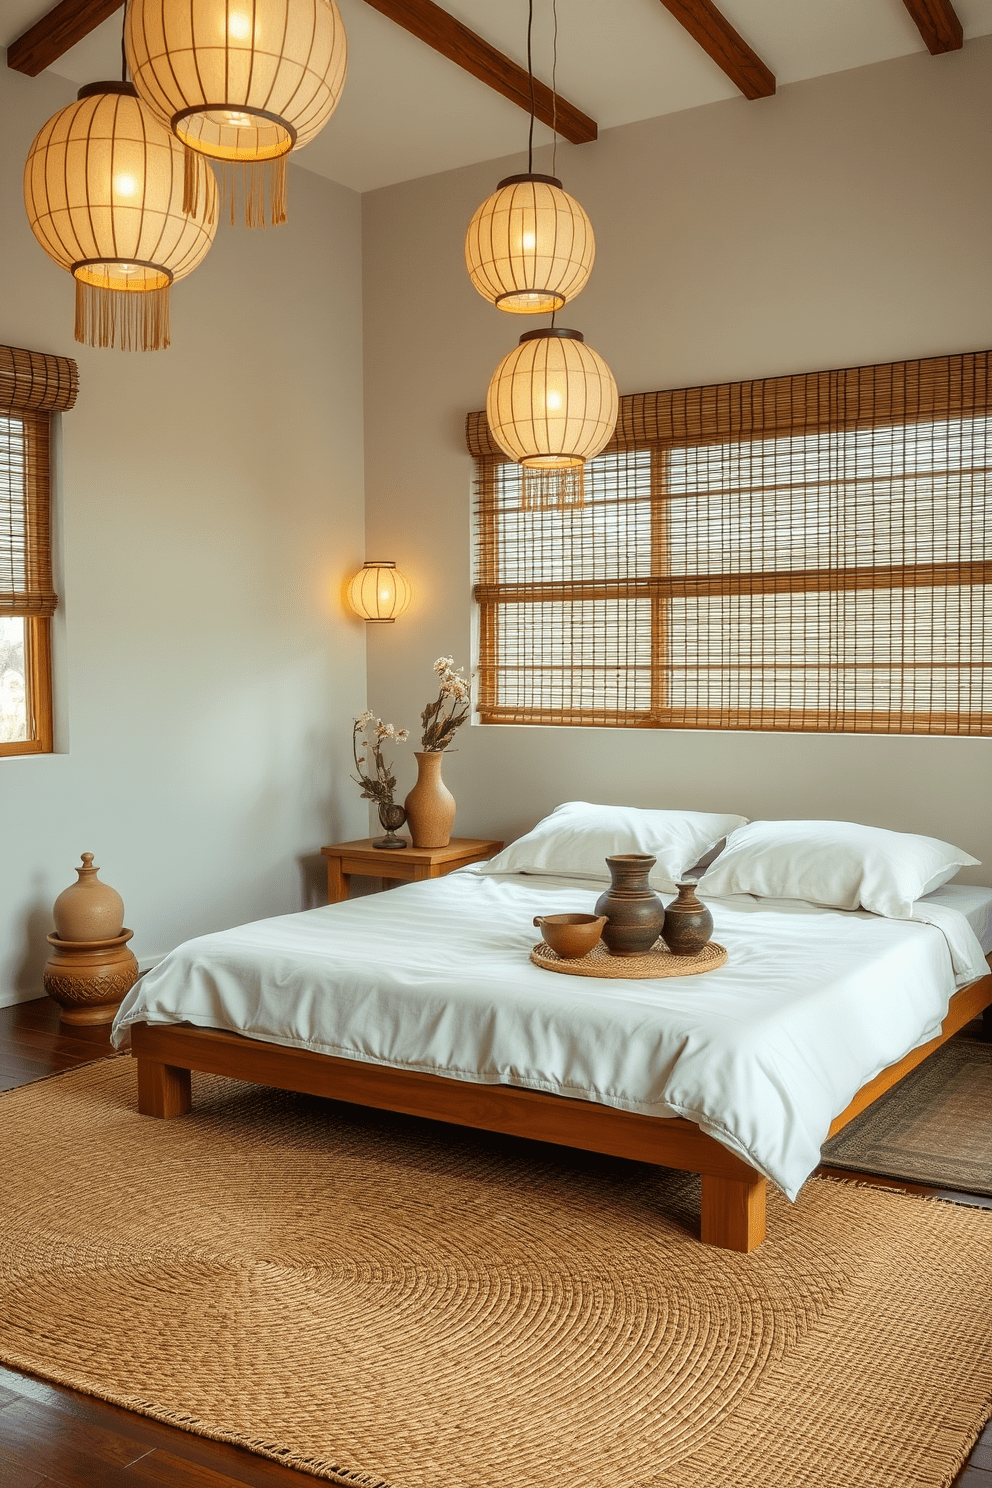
x=688 y=924
x=391 y=816
x=634 y=913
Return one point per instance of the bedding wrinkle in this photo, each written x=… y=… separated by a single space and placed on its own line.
x=761 y=1053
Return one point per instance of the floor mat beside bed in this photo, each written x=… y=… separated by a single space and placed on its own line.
x=387 y=1302
x=934 y=1127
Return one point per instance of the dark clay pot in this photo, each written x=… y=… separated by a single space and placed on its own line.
x=688 y=924
x=634 y=913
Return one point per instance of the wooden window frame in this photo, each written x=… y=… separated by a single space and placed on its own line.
x=892 y=395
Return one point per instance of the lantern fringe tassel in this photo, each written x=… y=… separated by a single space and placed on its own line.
x=552 y=488
x=133 y=320
x=246 y=182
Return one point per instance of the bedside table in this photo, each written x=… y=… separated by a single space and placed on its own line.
x=404 y=864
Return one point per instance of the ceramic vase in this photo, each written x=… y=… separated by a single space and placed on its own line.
x=430 y=806
x=634 y=912
x=88 y=909
x=90 y=967
x=688 y=924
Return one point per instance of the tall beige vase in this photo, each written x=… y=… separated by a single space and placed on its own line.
x=430 y=806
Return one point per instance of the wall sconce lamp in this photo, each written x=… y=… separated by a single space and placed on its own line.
x=379 y=591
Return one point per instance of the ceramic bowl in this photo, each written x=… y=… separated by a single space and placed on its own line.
x=571 y=935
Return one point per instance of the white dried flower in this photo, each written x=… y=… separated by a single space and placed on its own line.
x=442 y=664
x=402 y=735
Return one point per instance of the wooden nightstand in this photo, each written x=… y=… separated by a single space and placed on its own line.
x=405 y=864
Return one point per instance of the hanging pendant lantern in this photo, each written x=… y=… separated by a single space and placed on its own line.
x=241 y=81
x=530 y=247
x=103 y=188
x=552 y=405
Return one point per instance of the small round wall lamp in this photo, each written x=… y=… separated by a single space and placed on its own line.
x=379 y=591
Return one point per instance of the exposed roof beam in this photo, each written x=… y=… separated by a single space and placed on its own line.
x=56 y=32
x=428 y=22
x=729 y=51
x=938 y=24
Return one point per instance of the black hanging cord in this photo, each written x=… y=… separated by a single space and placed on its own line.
x=530 y=74
x=123 y=49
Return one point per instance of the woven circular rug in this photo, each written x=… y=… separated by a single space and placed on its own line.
x=385 y=1302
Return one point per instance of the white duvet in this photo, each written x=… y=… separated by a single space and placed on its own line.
x=761 y=1053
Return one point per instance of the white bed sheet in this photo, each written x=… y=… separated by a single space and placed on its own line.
x=761 y=1053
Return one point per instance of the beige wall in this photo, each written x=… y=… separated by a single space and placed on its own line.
x=211 y=504
x=844 y=221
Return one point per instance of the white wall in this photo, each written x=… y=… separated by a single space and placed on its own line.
x=211 y=506
x=844 y=221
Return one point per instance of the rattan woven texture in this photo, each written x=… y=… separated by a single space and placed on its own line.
x=658 y=962
x=363 y=1297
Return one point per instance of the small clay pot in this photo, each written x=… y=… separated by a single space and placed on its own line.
x=571 y=935
x=88 y=909
x=688 y=924
x=634 y=912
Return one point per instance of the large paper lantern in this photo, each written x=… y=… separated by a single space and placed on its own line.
x=530 y=246
x=241 y=81
x=103 y=188
x=552 y=405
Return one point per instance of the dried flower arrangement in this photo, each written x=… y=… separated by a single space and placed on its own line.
x=379 y=786
x=455 y=696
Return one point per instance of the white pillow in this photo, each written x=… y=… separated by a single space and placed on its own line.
x=840 y=864
x=577 y=838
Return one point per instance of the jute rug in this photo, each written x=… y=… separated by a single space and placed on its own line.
x=382 y=1302
x=934 y=1127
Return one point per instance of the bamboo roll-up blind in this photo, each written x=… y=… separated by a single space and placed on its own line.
x=795 y=553
x=35 y=381
x=25 y=527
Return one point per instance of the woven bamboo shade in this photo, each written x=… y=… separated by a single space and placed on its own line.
x=25 y=544
x=379 y=592
x=241 y=81
x=103 y=188
x=809 y=553
x=35 y=380
x=551 y=406
x=530 y=246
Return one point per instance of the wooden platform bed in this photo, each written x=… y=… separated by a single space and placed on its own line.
x=733 y=1206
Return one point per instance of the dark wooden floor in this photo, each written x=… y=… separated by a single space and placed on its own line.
x=56 y=1438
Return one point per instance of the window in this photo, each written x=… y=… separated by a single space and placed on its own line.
x=799 y=553
x=31 y=387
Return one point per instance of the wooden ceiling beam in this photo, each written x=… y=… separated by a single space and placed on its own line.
x=717 y=37
x=52 y=36
x=938 y=24
x=429 y=23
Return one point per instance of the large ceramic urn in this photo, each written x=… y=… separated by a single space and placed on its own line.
x=634 y=912
x=91 y=967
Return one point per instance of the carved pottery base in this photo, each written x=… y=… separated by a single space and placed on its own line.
x=90 y=979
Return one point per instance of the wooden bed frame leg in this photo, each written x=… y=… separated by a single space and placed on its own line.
x=733 y=1213
x=163 y=1089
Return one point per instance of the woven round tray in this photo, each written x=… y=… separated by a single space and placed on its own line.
x=658 y=962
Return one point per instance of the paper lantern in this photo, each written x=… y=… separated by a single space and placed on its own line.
x=530 y=246
x=103 y=188
x=552 y=405
x=379 y=591
x=241 y=81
